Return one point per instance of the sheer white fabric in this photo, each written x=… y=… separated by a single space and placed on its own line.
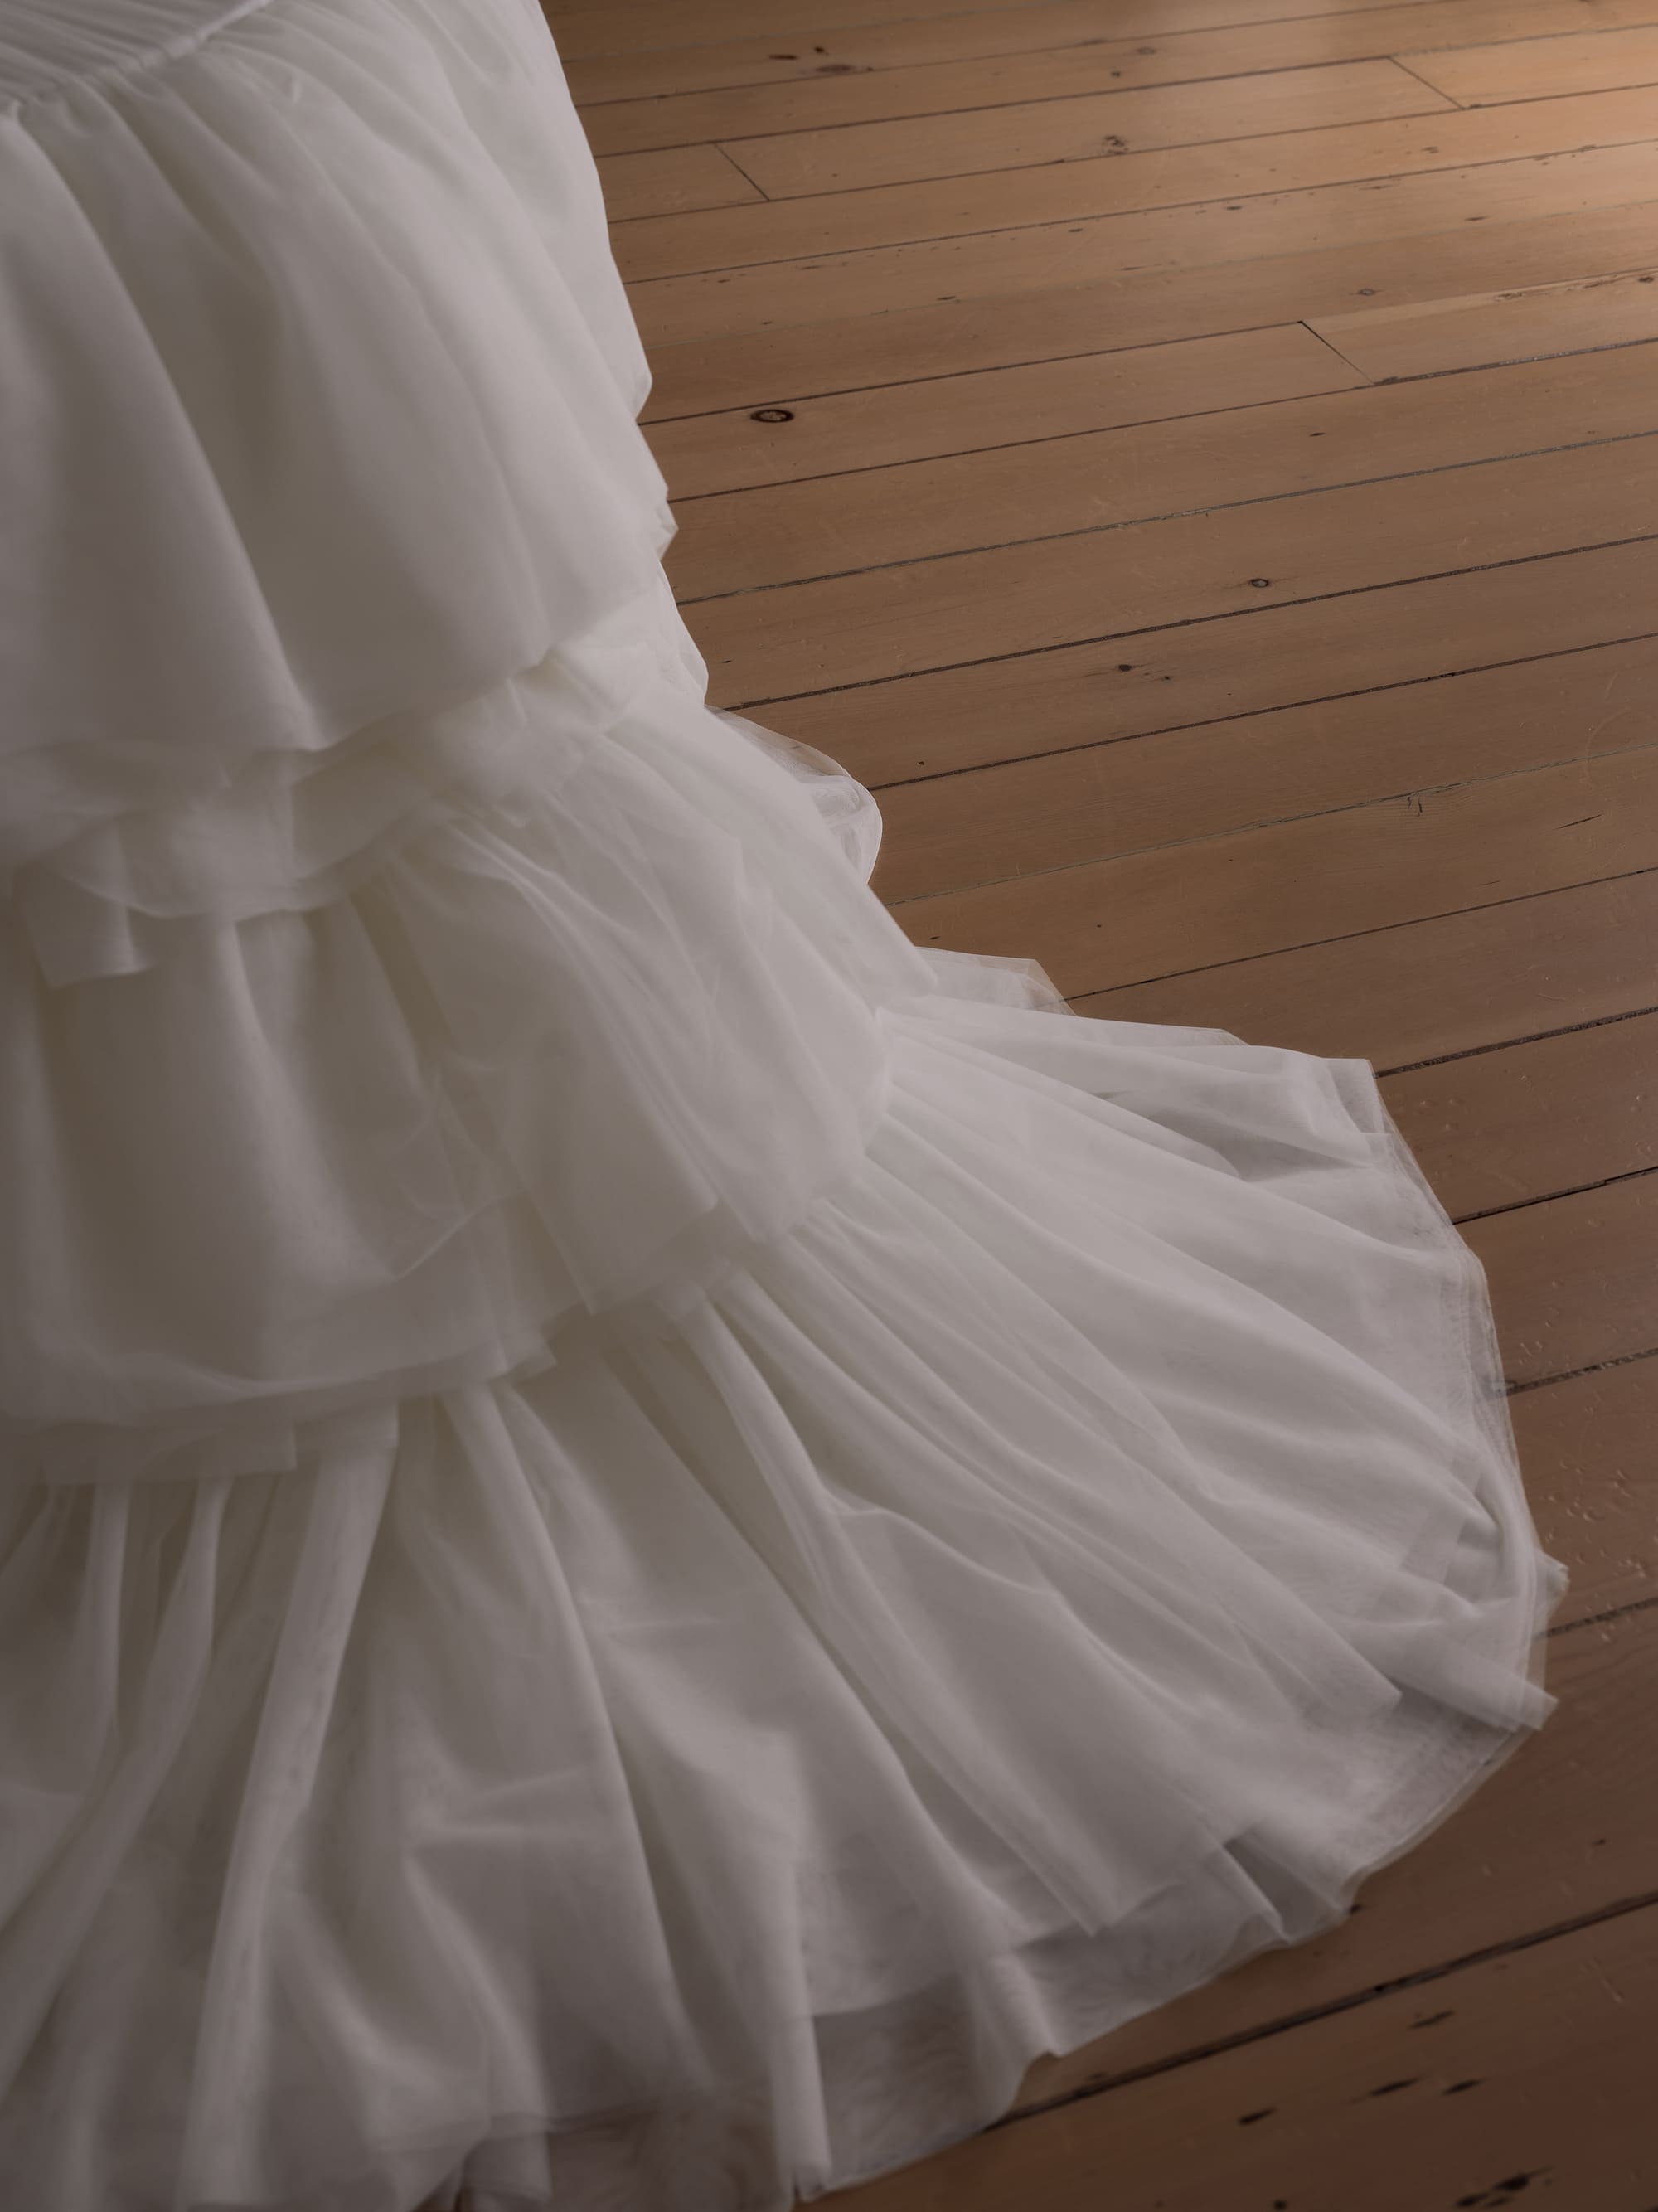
x=647 y=1534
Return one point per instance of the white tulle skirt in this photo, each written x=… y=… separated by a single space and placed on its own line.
x=648 y=1535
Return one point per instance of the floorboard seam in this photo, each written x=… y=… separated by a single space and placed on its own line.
x=1446 y=111
x=1376 y=178
x=1576 y=1374
x=1547 y=1197
x=1054 y=99
x=1195 y=415
x=1187 y=514
x=1125 y=638
x=1533 y=1036
x=664 y=349
x=1312 y=945
x=696 y=46
x=1253 y=714
x=1621 y=1909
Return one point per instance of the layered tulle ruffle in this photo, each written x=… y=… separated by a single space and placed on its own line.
x=981 y=1619
x=546 y=1024
x=317 y=386
x=647 y=1534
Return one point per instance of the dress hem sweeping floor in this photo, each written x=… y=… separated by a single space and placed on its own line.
x=649 y=1534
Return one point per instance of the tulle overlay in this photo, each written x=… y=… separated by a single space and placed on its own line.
x=649 y=1534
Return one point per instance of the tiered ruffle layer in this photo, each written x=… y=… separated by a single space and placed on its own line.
x=647 y=1534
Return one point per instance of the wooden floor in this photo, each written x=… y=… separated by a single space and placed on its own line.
x=1195 y=460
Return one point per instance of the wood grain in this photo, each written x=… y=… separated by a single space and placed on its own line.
x=1205 y=459
x=683 y=177
x=1592 y=1476
x=1504 y=1128
x=1021 y=134
x=1574 y=1280
x=968 y=410
x=1291 y=884
x=1205 y=236
x=1269 y=168
x=1427 y=338
x=694 y=95
x=833 y=348
x=1454 y=984
x=1056 y=809
x=642 y=26
x=629 y=26
x=1543 y=69
x=1109 y=583
x=745 y=447
x=1174 y=678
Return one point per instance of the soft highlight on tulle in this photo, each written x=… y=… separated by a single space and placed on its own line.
x=647 y=1535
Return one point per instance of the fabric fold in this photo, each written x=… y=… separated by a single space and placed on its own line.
x=649 y=1534
x=816 y=1682
x=318 y=389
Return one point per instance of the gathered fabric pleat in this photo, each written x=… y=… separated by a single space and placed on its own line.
x=647 y=1534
